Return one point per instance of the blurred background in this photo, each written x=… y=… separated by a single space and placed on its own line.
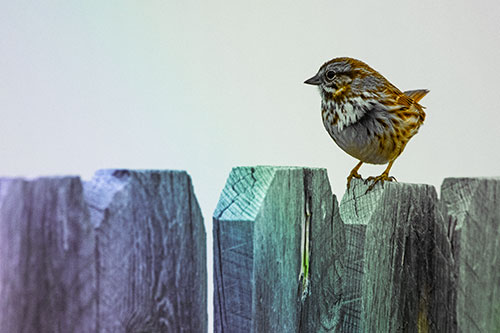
x=207 y=85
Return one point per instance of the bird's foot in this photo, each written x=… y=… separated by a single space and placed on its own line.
x=382 y=178
x=354 y=174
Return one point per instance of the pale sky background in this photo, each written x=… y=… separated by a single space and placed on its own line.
x=207 y=85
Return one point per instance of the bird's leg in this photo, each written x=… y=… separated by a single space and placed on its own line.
x=354 y=174
x=383 y=177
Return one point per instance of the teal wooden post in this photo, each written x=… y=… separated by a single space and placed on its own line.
x=275 y=268
x=472 y=207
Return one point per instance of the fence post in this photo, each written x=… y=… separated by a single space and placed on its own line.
x=398 y=260
x=124 y=252
x=275 y=269
x=472 y=207
x=47 y=281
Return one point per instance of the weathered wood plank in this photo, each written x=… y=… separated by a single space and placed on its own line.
x=397 y=261
x=125 y=252
x=472 y=207
x=151 y=256
x=274 y=265
x=356 y=210
x=47 y=250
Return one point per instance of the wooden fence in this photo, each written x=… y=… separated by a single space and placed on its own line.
x=126 y=252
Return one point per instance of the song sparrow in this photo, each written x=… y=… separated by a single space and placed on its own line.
x=366 y=115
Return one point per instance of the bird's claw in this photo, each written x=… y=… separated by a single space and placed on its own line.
x=382 y=178
x=353 y=174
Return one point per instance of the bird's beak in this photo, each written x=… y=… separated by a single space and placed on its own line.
x=314 y=80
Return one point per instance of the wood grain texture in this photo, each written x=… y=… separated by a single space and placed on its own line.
x=397 y=261
x=47 y=251
x=124 y=252
x=356 y=210
x=472 y=208
x=150 y=252
x=267 y=220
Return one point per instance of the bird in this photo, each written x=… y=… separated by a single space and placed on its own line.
x=366 y=115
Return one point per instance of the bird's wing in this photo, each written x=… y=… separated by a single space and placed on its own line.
x=406 y=104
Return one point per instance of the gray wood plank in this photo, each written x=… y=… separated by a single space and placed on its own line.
x=472 y=207
x=150 y=252
x=47 y=251
x=274 y=264
x=397 y=260
x=124 y=252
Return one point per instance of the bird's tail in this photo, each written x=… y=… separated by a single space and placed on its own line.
x=416 y=95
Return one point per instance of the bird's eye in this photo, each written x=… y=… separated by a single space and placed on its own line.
x=330 y=75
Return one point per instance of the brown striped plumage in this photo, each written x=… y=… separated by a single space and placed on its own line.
x=365 y=114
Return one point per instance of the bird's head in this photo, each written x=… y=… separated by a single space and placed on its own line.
x=341 y=76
